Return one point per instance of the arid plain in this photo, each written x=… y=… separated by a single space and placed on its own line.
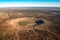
x=10 y=29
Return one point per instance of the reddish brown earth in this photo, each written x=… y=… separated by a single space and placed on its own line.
x=16 y=32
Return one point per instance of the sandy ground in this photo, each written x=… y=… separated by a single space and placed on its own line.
x=14 y=24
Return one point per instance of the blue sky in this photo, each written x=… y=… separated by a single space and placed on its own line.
x=29 y=3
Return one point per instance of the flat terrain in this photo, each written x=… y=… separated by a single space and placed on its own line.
x=17 y=24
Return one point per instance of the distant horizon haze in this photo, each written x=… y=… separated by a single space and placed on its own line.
x=29 y=3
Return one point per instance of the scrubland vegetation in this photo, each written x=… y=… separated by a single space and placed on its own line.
x=50 y=30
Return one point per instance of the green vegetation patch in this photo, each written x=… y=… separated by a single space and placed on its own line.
x=24 y=23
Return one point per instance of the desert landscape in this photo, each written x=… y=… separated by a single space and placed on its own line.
x=22 y=23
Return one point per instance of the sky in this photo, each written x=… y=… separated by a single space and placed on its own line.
x=29 y=3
